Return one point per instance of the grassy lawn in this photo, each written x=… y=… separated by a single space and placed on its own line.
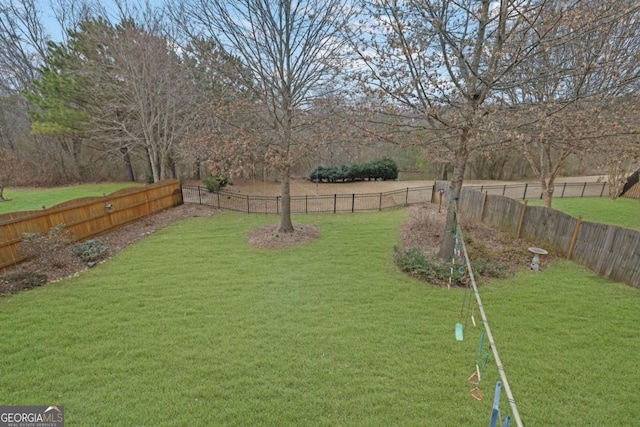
x=192 y=326
x=621 y=212
x=35 y=198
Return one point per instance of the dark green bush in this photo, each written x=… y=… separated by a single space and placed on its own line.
x=215 y=183
x=383 y=169
x=91 y=250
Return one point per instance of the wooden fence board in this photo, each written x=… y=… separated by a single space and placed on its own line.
x=89 y=216
x=613 y=252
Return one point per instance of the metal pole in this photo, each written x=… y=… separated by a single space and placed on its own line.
x=503 y=375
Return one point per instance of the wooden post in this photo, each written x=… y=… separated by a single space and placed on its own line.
x=574 y=239
x=521 y=221
x=433 y=191
x=484 y=203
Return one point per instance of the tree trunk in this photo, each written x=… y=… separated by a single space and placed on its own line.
x=126 y=157
x=1 y=193
x=459 y=166
x=547 y=190
x=286 y=225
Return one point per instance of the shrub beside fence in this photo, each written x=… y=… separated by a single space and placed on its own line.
x=612 y=252
x=87 y=217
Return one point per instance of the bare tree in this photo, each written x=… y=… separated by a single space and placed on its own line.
x=572 y=92
x=291 y=50
x=23 y=44
x=123 y=88
x=448 y=65
x=439 y=63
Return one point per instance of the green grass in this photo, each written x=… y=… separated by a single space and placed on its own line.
x=35 y=198
x=621 y=212
x=192 y=326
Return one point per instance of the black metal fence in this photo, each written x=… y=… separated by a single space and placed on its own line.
x=334 y=203
x=528 y=191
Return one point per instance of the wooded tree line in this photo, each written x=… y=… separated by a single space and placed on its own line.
x=256 y=86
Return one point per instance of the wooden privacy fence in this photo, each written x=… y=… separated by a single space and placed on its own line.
x=87 y=217
x=612 y=252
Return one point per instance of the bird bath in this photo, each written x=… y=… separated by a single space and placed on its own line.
x=535 y=263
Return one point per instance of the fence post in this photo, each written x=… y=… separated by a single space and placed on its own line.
x=277 y=205
x=335 y=201
x=583 y=188
x=406 y=198
x=521 y=221
x=199 y=195
x=524 y=196
x=218 y=197
x=306 y=203
x=484 y=203
x=574 y=238
x=248 y=205
x=380 y=206
x=563 y=187
x=353 y=202
x=602 y=191
x=504 y=189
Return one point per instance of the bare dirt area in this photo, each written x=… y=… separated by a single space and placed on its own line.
x=269 y=236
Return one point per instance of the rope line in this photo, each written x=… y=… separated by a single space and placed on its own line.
x=487 y=330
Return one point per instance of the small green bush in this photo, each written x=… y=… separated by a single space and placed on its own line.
x=414 y=262
x=91 y=250
x=214 y=183
x=438 y=271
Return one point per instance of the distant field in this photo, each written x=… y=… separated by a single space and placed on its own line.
x=35 y=198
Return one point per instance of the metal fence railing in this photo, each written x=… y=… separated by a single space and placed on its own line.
x=330 y=203
x=529 y=191
x=341 y=202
